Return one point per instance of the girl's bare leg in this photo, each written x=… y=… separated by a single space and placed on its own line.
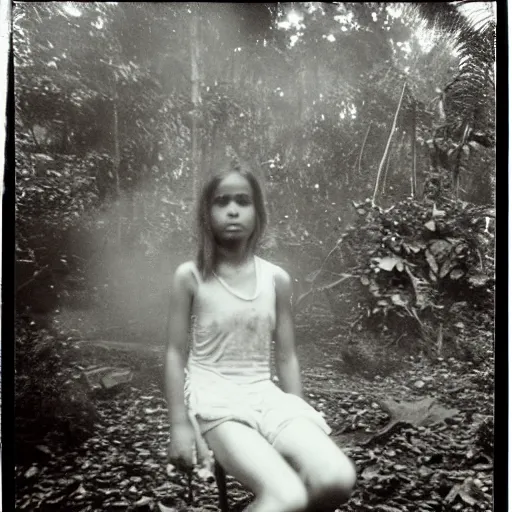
x=329 y=475
x=246 y=455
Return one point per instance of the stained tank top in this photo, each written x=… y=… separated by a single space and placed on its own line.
x=231 y=337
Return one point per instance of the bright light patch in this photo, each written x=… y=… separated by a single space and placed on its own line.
x=71 y=9
x=99 y=24
x=406 y=47
x=294 y=17
x=426 y=39
x=394 y=10
x=331 y=38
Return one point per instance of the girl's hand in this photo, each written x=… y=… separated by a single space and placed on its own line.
x=182 y=452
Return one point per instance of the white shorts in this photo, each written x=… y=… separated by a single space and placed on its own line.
x=265 y=407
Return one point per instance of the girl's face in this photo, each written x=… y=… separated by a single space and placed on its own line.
x=233 y=214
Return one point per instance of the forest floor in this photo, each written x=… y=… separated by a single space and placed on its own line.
x=442 y=466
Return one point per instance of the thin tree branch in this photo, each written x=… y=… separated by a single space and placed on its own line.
x=388 y=144
x=362 y=149
x=36 y=274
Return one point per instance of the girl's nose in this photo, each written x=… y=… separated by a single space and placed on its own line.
x=232 y=210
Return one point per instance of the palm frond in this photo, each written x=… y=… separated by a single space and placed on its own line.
x=480 y=15
x=460 y=19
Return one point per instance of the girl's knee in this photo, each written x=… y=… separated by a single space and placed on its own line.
x=287 y=497
x=334 y=486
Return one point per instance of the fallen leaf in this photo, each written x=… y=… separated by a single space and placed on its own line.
x=143 y=501
x=437 y=213
x=446 y=267
x=387 y=263
x=431 y=261
x=424 y=471
x=469 y=492
x=478 y=280
x=387 y=508
x=44 y=449
x=398 y=300
x=430 y=225
x=153 y=411
x=370 y=472
x=456 y=274
x=163 y=508
x=483 y=467
x=33 y=471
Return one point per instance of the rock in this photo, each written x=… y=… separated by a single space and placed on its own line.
x=116 y=378
x=107 y=378
x=93 y=376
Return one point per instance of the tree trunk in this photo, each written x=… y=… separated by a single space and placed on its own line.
x=400 y=155
x=233 y=65
x=301 y=89
x=196 y=101
x=362 y=149
x=117 y=161
x=384 y=177
x=141 y=204
x=413 y=151
x=386 y=151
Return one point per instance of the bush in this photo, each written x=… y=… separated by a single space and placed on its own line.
x=427 y=268
x=50 y=404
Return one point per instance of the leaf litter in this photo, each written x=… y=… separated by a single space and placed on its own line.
x=437 y=456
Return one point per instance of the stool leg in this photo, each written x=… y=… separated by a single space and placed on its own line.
x=220 y=477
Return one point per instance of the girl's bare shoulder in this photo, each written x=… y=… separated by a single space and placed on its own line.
x=186 y=276
x=281 y=277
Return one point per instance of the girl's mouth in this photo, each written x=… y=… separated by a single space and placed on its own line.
x=233 y=227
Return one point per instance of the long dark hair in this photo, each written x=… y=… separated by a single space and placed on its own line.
x=207 y=249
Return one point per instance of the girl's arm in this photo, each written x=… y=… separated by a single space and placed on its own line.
x=177 y=344
x=286 y=357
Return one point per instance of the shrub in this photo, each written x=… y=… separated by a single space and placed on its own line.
x=427 y=268
x=49 y=403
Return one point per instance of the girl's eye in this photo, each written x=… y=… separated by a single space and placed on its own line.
x=243 y=199
x=240 y=200
x=222 y=200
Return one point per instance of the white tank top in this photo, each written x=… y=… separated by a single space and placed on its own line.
x=231 y=334
x=231 y=337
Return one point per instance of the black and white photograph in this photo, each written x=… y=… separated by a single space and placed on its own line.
x=254 y=256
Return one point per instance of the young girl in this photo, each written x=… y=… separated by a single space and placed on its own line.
x=226 y=308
